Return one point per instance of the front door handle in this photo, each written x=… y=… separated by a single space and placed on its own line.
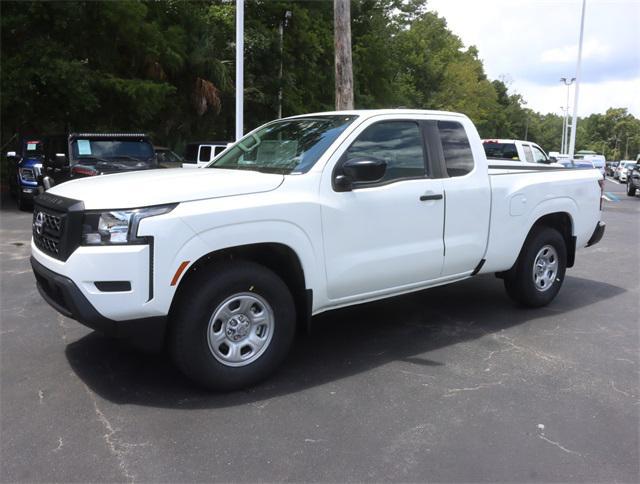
x=437 y=196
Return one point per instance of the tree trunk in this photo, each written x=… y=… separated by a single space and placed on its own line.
x=342 y=42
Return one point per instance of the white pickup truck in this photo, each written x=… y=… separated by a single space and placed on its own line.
x=509 y=150
x=303 y=215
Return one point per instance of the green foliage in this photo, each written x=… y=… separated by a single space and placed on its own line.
x=167 y=67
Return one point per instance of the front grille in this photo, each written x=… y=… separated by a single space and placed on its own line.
x=57 y=225
x=47 y=231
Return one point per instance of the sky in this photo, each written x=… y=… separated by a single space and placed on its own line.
x=531 y=44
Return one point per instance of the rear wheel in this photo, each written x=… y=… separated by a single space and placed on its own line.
x=233 y=326
x=537 y=276
x=631 y=190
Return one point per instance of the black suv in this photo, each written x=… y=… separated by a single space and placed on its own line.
x=633 y=179
x=91 y=154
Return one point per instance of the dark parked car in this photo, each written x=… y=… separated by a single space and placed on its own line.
x=27 y=161
x=168 y=158
x=611 y=167
x=91 y=154
x=633 y=179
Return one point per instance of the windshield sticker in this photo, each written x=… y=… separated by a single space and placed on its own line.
x=84 y=147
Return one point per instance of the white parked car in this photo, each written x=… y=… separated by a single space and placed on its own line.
x=509 y=150
x=623 y=170
x=301 y=216
x=200 y=154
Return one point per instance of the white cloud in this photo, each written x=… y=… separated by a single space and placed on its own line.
x=592 y=49
x=534 y=42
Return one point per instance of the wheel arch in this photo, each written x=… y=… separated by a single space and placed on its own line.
x=278 y=257
x=563 y=223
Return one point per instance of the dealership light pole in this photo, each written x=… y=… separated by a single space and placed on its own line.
x=574 y=121
x=565 y=125
x=239 y=67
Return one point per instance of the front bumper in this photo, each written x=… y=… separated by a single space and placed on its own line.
x=597 y=234
x=66 y=298
x=28 y=192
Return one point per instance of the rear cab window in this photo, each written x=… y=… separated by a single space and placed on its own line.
x=458 y=156
x=501 y=151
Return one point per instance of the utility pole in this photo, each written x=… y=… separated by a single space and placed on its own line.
x=565 y=134
x=626 y=149
x=239 y=68
x=343 y=62
x=564 y=124
x=574 y=121
x=284 y=21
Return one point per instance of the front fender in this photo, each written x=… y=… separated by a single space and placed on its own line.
x=249 y=233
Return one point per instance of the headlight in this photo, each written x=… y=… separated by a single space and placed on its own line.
x=117 y=226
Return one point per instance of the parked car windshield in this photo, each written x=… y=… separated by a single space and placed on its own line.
x=287 y=146
x=123 y=150
x=33 y=148
x=501 y=151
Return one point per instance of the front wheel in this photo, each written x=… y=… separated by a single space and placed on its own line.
x=23 y=204
x=537 y=276
x=233 y=325
x=631 y=190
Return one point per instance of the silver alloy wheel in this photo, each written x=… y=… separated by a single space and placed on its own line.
x=240 y=329
x=545 y=268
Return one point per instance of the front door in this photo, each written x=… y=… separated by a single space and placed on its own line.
x=384 y=236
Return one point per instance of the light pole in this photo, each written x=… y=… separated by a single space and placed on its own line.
x=284 y=22
x=565 y=126
x=239 y=68
x=574 y=121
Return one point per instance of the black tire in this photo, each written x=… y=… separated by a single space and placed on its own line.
x=23 y=204
x=631 y=190
x=520 y=281
x=205 y=294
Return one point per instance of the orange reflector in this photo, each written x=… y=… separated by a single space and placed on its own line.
x=179 y=272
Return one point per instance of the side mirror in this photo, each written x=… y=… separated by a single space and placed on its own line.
x=553 y=159
x=359 y=170
x=364 y=169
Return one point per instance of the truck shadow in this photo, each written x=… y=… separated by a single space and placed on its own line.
x=342 y=343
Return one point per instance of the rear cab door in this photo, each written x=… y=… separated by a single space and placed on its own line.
x=467 y=193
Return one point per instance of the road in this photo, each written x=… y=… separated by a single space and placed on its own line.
x=453 y=384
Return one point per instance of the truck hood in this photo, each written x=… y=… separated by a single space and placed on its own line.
x=157 y=187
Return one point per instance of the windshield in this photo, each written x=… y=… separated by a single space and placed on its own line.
x=33 y=148
x=122 y=150
x=501 y=151
x=287 y=146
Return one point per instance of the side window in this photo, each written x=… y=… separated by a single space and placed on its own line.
x=205 y=154
x=527 y=153
x=458 y=157
x=218 y=150
x=399 y=143
x=538 y=155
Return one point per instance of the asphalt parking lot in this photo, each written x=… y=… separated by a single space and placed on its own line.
x=456 y=384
